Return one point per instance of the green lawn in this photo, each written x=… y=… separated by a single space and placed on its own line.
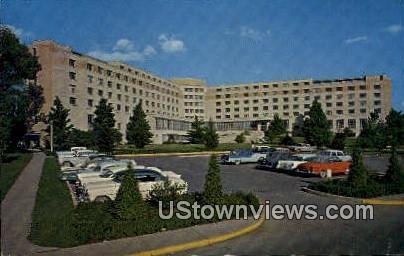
x=10 y=169
x=53 y=212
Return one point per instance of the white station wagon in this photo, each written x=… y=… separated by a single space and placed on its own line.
x=332 y=153
x=147 y=177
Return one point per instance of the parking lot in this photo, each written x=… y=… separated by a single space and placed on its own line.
x=382 y=235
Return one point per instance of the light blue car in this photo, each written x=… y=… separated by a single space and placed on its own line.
x=243 y=156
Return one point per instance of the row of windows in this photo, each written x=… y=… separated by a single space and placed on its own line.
x=327 y=89
x=329 y=96
x=275 y=100
x=100 y=70
x=100 y=93
x=189 y=89
x=198 y=110
x=196 y=97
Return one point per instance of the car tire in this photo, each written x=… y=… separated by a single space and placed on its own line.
x=237 y=162
x=323 y=174
x=346 y=172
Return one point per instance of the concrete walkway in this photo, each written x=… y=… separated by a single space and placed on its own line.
x=16 y=209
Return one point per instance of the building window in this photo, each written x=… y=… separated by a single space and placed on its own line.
x=340 y=104
x=90 y=119
x=340 y=124
x=377 y=95
x=339 y=89
x=362 y=87
x=89 y=67
x=328 y=97
x=328 y=104
x=90 y=103
x=377 y=86
x=118 y=107
x=109 y=95
x=351 y=111
x=72 y=101
x=90 y=79
x=100 y=93
x=90 y=91
x=340 y=112
x=72 y=75
x=351 y=123
x=363 y=110
x=71 y=63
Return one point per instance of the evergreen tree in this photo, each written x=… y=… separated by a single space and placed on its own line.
x=213 y=189
x=316 y=128
x=358 y=174
x=59 y=117
x=240 y=138
x=338 y=141
x=394 y=173
x=276 y=128
x=129 y=204
x=395 y=127
x=106 y=136
x=138 y=128
x=211 y=138
x=373 y=134
x=197 y=132
x=19 y=102
x=287 y=141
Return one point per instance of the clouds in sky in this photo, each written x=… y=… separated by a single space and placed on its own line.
x=394 y=29
x=249 y=33
x=170 y=44
x=124 y=50
x=19 y=32
x=357 y=39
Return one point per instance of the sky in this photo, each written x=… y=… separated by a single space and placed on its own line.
x=228 y=41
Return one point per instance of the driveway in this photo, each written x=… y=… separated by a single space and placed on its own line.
x=383 y=235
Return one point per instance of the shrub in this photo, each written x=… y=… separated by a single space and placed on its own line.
x=128 y=202
x=338 y=141
x=240 y=138
x=165 y=193
x=287 y=140
x=213 y=190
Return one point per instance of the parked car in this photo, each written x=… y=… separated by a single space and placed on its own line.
x=321 y=165
x=301 y=147
x=335 y=153
x=69 y=176
x=148 y=178
x=292 y=163
x=75 y=158
x=271 y=160
x=243 y=156
x=98 y=170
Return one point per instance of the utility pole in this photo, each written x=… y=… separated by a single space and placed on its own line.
x=51 y=136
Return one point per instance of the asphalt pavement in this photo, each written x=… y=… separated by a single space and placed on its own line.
x=382 y=235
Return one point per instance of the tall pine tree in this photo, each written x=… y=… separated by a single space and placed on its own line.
x=138 y=129
x=59 y=117
x=211 y=138
x=128 y=202
x=276 y=128
x=213 y=188
x=316 y=129
x=196 y=134
x=106 y=136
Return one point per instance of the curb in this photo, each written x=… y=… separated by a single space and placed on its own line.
x=203 y=242
x=202 y=153
x=383 y=202
x=372 y=201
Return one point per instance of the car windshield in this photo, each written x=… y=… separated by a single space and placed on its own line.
x=241 y=152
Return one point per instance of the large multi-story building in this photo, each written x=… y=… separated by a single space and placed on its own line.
x=80 y=81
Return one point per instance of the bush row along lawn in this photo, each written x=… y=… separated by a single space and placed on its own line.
x=177 y=148
x=11 y=168
x=375 y=187
x=57 y=223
